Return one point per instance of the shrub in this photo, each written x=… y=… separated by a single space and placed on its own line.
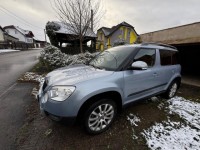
x=52 y=58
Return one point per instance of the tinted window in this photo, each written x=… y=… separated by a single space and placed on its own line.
x=146 y=55
x=168 y=57
x=175 y=58
x=165 y=57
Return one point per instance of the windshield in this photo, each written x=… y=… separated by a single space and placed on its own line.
x=113 y=58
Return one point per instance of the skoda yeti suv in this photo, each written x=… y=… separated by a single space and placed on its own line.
x=94 y=93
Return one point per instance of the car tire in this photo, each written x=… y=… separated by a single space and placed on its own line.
x=99 y=116
x=172 y=89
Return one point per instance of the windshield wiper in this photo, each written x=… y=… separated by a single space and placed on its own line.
x=95 y=66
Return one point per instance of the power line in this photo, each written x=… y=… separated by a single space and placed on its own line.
x=18 y=18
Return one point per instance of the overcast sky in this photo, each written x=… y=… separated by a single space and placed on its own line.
x=144 y=15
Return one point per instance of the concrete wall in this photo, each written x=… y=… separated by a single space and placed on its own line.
x=178 y=35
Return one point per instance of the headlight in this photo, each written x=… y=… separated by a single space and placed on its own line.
x=60 y=93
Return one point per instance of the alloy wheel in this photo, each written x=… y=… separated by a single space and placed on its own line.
x=101 y=117
x=173 y=90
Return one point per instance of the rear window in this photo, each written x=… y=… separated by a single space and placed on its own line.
x=168 y=57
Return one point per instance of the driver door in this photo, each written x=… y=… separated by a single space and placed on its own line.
x=141 y=83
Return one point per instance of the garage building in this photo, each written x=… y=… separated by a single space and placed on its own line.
x=187 y=40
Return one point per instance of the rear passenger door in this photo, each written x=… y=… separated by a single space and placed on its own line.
x=168 y=62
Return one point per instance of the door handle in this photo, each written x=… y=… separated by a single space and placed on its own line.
x=155 y=74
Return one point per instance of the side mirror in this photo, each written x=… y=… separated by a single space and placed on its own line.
x=139 y=65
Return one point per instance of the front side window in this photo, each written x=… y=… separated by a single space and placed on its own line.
x=146 y=55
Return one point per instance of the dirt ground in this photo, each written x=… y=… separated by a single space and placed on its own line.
x=41 y=133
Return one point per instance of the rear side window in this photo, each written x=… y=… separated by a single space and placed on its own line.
x=168 y=57
x=146 y=55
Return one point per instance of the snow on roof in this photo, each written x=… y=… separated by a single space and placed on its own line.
x=22 y=30
x=67 y=29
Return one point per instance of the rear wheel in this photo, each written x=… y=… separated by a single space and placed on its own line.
x=171 y=91
x=100 y=116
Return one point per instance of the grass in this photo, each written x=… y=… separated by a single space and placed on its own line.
x=40 y=68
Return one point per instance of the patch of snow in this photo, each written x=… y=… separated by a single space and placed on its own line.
x=172 y=136
x=186 y=109
x=35 y=92
x=31 y=76
x=133 y=119
x=24 y=32
x=175 y=135
x=154 y=99
x=134 y=137
x=161 y=106
x=8 y=50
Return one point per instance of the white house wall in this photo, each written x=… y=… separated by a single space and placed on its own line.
x=16 y=34
x=1 y=35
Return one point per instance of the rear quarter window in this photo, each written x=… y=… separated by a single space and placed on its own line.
x=168 y=57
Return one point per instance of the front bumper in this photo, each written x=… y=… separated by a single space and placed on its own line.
x=57 y=111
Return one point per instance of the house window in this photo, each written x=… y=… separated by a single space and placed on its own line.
x=129 y=32
x=122 y=32
x=15 y=31
x=99 y=36
x=29 y=40
x=102 y=38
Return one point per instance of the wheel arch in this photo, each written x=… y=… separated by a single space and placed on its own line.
x=178 y=79
x=114 y=95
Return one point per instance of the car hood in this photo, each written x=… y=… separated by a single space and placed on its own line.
x=74 y=74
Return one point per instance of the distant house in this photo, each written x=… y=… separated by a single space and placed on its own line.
x=25 y=36
x=6 y=40
x=10 y=38
x=121 y=33
x=39 y=43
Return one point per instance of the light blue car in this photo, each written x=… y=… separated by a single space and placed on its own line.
x=93 y=94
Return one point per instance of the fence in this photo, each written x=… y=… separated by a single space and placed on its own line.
x=16 y=45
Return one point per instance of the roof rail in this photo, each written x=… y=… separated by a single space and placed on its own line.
x=159 y=44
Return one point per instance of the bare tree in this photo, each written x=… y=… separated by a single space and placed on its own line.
x=77 y=14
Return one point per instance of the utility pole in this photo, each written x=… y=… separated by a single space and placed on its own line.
x=45 y=35
x=92 y=20
x=92 y=28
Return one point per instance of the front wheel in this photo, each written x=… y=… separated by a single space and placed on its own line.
x=100 y=116
x=171 y=91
